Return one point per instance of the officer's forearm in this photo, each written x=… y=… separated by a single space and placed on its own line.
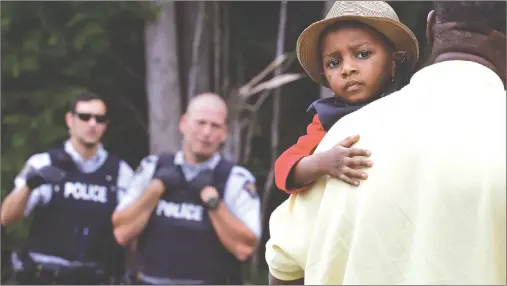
x=131 y=221
x=14 y=205
x=234 y=235
x=144 y=204
x=127 y=233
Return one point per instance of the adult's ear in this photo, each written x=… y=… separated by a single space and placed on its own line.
x=430 y=23
x=183 y=123
x=68 y=119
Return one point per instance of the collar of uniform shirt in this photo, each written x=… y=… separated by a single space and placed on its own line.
x=191 y=170
x=90 y=165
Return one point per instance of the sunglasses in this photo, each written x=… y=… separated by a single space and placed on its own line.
x=88 y=116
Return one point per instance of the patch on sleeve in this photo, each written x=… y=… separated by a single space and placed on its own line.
x=150 y=159
x=26 y=169
x=250 y=188
x=147 y=161
x=139 y=169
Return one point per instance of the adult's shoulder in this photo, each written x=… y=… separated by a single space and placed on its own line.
x=242 y=172
x=36 y=161
x=161 y=158
x=124 y=166
x=39 y=160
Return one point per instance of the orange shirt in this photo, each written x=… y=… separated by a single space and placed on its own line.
x=304 y=147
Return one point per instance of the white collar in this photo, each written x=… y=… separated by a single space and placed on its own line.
x=458 y=71
x=211 y=163
x=95 y=159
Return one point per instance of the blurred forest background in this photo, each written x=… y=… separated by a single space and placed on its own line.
x=148 y=58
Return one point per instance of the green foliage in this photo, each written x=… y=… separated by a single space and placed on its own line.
x=50 y=52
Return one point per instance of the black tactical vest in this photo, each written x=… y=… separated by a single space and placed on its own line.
x=179 y=241
x=76 y=224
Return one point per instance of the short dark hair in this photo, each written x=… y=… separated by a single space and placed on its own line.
x=474 y=16
x=85 y=96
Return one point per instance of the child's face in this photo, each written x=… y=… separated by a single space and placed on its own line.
x=357 y=62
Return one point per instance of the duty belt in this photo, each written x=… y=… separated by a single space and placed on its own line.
x=54 y=274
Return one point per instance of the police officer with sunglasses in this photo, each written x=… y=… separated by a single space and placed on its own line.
x=73 y=191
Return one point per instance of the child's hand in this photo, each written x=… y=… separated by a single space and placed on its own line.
x=343 y=162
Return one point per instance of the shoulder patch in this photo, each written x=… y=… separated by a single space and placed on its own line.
x=147 y=161
x=243 y=173
x=250 y=188
x=139 y=169
x=150 y=159
x=26 y=169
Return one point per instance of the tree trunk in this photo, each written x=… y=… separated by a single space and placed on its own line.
x=232 y=147
x=216 y=47
x=162 y=80
x=195 y=47
x=275 y=126
x=233 y=144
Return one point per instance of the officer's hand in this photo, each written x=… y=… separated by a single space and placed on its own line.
x=45 y=175
x=203 y=179
x=169 y=175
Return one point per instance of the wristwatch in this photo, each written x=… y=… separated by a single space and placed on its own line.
x=212 y=203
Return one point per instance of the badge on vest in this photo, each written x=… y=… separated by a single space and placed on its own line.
x=85 y=192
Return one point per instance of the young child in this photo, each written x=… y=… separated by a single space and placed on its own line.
x=361 y=52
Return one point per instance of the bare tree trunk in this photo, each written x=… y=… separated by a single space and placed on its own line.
x=324 y=91
x=196 y=44
x=162 y=80
x=194 y=41
x=232 y=148
x=276 y=100
x=226 y=47
x=216 y=46
x=280 y=43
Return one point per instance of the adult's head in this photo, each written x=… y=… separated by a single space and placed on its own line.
x=87 y=119
x=204 y=127
x=469 y=30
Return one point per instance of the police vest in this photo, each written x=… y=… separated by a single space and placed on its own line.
x=179 y=241
x=76 y=223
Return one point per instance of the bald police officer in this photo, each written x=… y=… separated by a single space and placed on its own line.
x=73 y=191
x=195 y=214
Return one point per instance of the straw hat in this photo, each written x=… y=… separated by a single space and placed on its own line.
x=377 y=14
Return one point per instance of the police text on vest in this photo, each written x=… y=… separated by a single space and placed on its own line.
x=183 y=211
x=80 y=191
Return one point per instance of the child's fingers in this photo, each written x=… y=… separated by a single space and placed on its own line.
x=358 y=162
x=349 y=141
x=348 y=180
x=351 y=152
x=354 y=174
